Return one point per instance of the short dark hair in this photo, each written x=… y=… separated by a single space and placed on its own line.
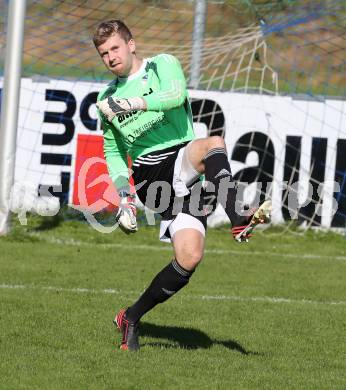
x=106 y=29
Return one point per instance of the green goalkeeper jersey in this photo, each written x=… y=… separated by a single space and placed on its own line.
x=167 y=121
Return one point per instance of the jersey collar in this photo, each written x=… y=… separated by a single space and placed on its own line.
x=136 y=74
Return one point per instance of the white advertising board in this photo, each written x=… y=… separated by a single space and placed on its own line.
x=271 y=139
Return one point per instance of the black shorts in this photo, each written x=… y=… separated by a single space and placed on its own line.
x=153 y=178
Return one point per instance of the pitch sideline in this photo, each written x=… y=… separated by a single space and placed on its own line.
x=73 y=242
x=275 y=300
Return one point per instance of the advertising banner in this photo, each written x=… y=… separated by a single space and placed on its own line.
x=274 y=143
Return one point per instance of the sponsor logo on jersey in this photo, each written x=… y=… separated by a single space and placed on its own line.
x=149 y=92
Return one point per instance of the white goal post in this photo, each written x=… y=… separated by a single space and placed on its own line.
x=10 y=106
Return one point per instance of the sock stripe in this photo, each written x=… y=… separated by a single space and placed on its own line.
x=180 y=269
x=215 y=151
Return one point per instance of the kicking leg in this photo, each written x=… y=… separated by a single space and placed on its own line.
x=209 y=156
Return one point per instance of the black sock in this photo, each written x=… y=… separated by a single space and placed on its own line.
x=165 y=284
x=217 y=168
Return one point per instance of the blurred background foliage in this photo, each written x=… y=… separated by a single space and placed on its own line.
x=304 y=41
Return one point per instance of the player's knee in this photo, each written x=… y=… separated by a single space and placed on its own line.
x=216 y=142
x=190 y=258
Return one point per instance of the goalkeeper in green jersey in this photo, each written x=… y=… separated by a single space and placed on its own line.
x=146 y=115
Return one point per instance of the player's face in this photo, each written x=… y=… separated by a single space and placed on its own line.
x=118 y=55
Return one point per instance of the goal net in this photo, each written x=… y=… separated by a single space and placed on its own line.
x=271 y=82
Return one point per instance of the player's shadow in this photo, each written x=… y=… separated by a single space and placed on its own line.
x=187 y=338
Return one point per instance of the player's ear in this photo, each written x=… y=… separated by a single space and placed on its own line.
x=132 y=45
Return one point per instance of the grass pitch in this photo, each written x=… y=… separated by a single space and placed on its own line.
x=265 y=315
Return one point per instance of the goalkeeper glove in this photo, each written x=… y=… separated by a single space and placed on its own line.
x=126 y=215
x=111 y=107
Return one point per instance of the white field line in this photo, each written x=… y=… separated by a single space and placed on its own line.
x=163 y=248
x=276 y=300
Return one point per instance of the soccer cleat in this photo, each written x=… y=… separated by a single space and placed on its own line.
x=129 y=332
x=243 y=228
